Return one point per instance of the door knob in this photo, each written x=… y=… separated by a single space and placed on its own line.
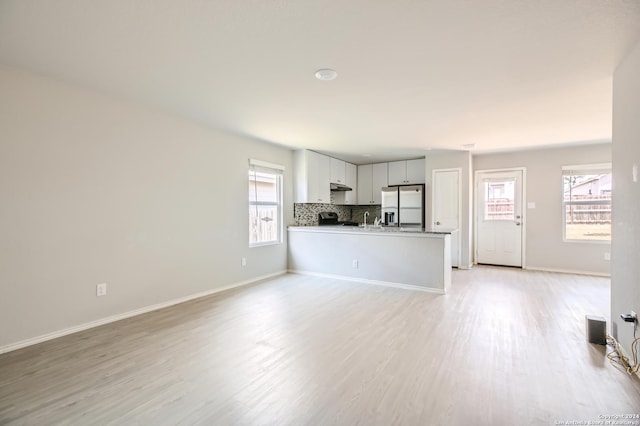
x=437 y=223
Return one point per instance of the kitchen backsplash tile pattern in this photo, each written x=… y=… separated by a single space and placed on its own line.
x=306 y=214
x=357 y=213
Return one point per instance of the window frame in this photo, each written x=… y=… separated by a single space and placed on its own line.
x=581 y=170
x=277 y=171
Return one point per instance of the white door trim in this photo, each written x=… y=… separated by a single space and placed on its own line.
x=524 y=210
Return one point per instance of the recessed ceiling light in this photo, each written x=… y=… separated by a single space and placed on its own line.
x=326 y=74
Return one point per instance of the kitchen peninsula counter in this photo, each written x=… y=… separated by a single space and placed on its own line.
x=409 y=258
x=370 y=229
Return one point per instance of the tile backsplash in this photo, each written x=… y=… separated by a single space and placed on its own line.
x=357 y=213
x=306 y=214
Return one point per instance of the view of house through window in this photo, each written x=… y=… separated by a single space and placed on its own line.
x=587 y=202
x=265 y=204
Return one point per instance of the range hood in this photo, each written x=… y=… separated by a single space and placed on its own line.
x=340 y=187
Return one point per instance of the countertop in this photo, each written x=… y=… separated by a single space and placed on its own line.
x=370 y=229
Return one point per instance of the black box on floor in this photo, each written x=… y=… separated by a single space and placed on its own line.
x=596 y=329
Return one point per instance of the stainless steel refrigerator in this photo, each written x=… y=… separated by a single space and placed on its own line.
x=403 y=206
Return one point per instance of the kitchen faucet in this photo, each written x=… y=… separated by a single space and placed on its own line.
x=366 y=214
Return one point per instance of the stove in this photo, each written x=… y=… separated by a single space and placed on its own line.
x=331 y=218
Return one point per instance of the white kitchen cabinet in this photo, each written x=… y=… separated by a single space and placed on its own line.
x=351 y=176
x=379 y=179
x=407 y=172
x=397 y=172
x=351 y=180
x=371 y=179
x=365 y=184
x=312 y=177
x=338 y=171
x=416 y=171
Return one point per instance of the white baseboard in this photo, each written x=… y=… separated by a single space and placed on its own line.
x=367 y=281
x=59 y=333
x=567 y=271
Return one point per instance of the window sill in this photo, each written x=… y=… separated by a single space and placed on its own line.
x=600 y=242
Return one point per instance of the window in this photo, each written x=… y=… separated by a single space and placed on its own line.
x=586 y=202
x=265 y=203
x=499 y=199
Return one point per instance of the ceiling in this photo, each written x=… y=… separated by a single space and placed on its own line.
x=413 y=75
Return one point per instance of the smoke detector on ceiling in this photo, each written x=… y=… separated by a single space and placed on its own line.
x=326 y=74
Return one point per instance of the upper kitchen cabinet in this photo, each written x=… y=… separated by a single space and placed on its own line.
x=351 y=172
x=371 y=179
x=312 y=177
x=407 y=172
x=351 y=180
x=338 y=171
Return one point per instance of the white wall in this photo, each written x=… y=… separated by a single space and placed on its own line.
x=449 y=160
x=625 y=274
x=94 y=189
x=545 y=248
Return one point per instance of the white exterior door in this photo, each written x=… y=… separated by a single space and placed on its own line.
x=499 y=217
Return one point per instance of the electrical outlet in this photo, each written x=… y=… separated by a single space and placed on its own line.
x=355 y=263
x=607 y=256
x=101 y=289
x=243 y=261
x=630 y=317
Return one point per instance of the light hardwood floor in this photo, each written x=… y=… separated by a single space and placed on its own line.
x=505 y=347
